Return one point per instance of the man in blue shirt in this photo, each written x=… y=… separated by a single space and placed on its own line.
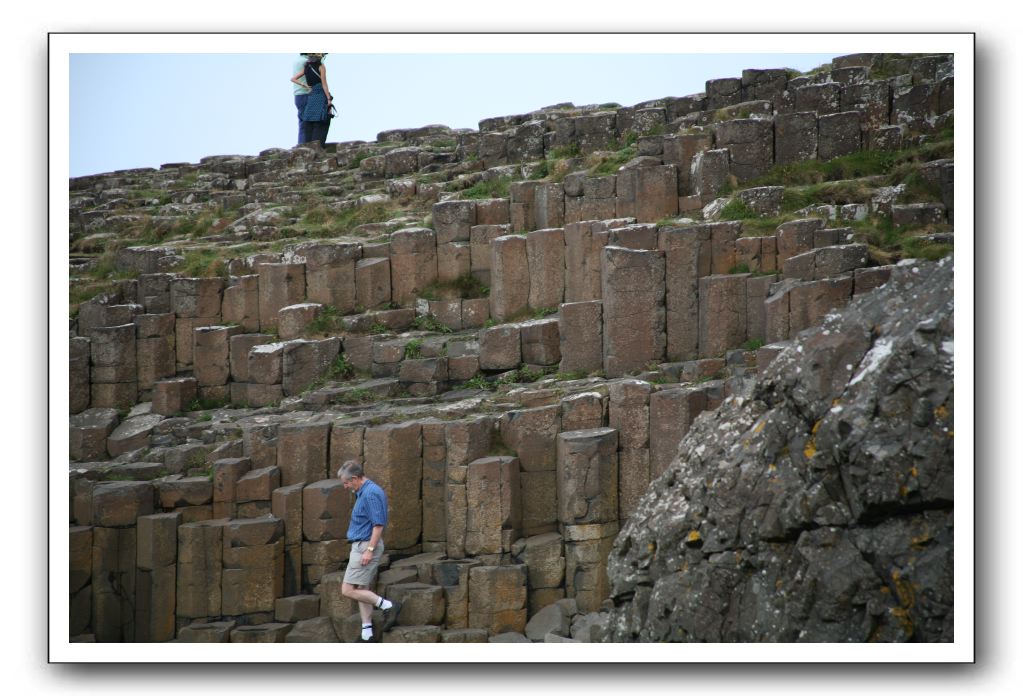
x=365 y=533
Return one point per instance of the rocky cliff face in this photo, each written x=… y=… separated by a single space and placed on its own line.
x=820 y=508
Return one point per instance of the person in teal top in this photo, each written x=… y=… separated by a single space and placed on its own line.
x=301 y=91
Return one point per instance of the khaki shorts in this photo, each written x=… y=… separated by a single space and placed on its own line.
x=358 y=574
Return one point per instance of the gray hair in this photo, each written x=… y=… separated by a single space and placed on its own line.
x=350 y=469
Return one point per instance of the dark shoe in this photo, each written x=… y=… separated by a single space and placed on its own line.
x=391 y=615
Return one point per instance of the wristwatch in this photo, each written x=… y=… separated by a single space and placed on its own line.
x=371 y=548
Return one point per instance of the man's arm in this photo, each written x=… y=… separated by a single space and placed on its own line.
x=374 y=539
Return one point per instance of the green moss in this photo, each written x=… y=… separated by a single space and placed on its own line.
x=491 y=188
x=414 y=349
x=736 y=209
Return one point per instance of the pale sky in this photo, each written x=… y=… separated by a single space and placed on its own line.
x=146 y=109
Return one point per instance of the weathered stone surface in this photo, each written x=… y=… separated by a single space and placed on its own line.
x=280 y=285
x=212 y=354
x=672 y=411
x=587 y=476
x=586 y=551
x=549 y=205
x=544 y=558
x=509 y=277
x=293 y=319
x=581 y=336
x=497 y=598
x=866 y=554
x=810 y=302
x=213 y=632
x=796 y=236
x=500 y=347
x=541 y=341
x=757 y=289
x=413 y=263
x=200 y=557
x=262 y=633
x=257 y=484
x=453 y=220
x=839 y=134
x=318 y=629
x=196 y=297
x=372 y=282
x=113 y=584
x=750 y=145
x=494 y=511
x=78 y=374
x=304 y=362
x=545 y=252
x=157 y=540
x=241 y=302
x=395 y=463
x=634 y=317
x=132 y=434
x=326 y=509
x=628 y=412
x=795 y=137
x=302 y=452
x=709 y=173
x=583 y=411
x=722 y=313
x=119 y=503
x=113 y=355
x=647 y=193
x=88 y=432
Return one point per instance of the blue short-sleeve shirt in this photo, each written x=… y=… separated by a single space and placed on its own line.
x=370 y=510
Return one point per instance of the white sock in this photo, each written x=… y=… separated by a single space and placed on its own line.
x=384 y=604
x=367 y=631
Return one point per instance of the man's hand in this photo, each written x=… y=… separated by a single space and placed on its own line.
x=367 y=556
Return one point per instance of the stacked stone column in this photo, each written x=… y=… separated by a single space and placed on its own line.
x=196 y=302
x=634 y=314
x=587 y=477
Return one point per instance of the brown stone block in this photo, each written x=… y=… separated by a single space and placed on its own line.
x=212 y=354
x=722 y=313
x=545 y=252
x=672 y=412
x=293 y=319
x=172 y=396
x=796 y=237
x=456 y=514
x=810 y=302
x=196 y=297
x=838 y=134
x=239 y=347
x=532 y=434
x=453 y=220
x=795 y=137
x=330 y=274
x=509 y=277
x=302 y=452
x=587 y=476
x=453 y=261
x=633 y=293
x=396 y=466
x=633 y=478
x=154 y=604
x=422 y=604
x=252 y=509
x=494 y=589
x=539 y=502
x=628 y=412
x=157 y=539
x=280 y=285
x=113 y=584
x=200 y=554
x=647 y=193
x=581 y=336
x=257 y=484
x=266 y=363
x=413 y=263
x=113 y=353
x=549 y=205
x=291 y=609
x=304 y=362
x=213 y=632
x=757 y=289
x=373 y=283
x=184 y=491
x=80 y=558
x=583 y=243
x=541 y=341
x=586 y=551
x=253 y=578
x=492 y=499
x=88 y=432
x=155 y=361
x=78 y=372
x=119 y=503
x=241 y=302
x=543 y=557
x=286 y=505
x=583 y=411
x=326 y=509
x=263 y=633
x=500 y=347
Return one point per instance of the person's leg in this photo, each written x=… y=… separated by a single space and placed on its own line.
x=300 y=102
x=320 y=132
x=307 y=131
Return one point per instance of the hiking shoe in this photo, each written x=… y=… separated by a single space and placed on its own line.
x=391 y=615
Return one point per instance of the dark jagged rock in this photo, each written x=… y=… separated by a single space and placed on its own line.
x=819 y=509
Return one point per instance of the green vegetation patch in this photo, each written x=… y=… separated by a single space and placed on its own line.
x=491 y=188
